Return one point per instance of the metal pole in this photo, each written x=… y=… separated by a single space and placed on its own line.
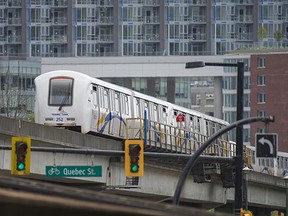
x=239 y=141
x=286 y=211
x=198 y=152
x=246 y=191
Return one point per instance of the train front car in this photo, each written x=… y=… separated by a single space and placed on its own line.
x=61 y=100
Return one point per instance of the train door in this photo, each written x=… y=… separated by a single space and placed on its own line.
x=104 y=120
x=114 y=114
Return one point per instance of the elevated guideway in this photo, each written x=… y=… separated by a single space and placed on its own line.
x=157 y=184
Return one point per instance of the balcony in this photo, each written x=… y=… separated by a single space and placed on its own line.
x=14 y=39
x=151 y=19
x=14 y=21
x=197 y=37
x=59 y=39
x=59 y=20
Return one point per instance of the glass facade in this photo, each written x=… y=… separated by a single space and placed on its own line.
x=17 y=87
x=55 y=28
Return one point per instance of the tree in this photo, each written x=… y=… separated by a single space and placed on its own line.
x=262 y=33
x=278 y=36
x=13 y=98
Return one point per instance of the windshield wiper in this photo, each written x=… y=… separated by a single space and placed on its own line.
x=65 y=98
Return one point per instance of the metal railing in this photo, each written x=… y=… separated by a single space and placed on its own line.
x=167 y=138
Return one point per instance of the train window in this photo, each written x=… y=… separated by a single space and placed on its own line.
x=197 y=128
x=213 y=128
x=191 y=122
x=126 y=105
x=60 y=91
x=155 y=112
x=94 y=96
x=164 y=115
x=105 y=98
x=137 y=108
x=208 y=132
x=146 y=104
x=117 y=101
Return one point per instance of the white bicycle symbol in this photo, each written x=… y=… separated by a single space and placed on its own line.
x=54 y=170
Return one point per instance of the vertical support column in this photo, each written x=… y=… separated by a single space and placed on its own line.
x=151 y=86
x=171 y=89
x=219 y=102
x=128 y=82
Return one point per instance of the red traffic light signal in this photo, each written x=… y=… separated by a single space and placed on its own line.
x=134 y=158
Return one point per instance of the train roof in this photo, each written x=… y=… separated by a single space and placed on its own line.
x=76 y=75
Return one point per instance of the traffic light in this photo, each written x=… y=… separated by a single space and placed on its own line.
x=134 y=158
x=245 y=212
x=20 y=155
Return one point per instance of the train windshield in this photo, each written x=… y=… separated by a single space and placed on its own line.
x=60 y=92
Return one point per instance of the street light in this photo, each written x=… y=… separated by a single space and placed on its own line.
x=286 y=185
x=239 y=130
x=246 y=171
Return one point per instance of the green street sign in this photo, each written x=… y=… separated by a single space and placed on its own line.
x=73 y=171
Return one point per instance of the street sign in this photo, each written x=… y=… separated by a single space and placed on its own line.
x=266 y=145
x=73 y=171
x=180 y=118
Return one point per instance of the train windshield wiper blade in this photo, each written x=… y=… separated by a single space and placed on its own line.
x=65 y=98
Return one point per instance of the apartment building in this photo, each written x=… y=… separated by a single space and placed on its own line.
x=126 y=28
x=269 y=94
x=53 y=28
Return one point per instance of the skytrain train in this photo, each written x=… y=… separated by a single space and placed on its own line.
x=75 y=101
x=78 y=102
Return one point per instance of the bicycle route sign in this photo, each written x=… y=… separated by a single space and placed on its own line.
x=73 y=171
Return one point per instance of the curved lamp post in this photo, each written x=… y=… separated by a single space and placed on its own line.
x=239 y=130
x=191 y=162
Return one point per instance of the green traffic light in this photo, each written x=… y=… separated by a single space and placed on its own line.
x=21 y=166
x=134 y=168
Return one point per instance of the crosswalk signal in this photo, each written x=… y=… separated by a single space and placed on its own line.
x=20 y=155
x=134 y=158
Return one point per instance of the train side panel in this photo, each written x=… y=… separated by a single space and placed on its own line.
x=111 y=107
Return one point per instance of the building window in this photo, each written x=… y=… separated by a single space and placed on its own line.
x=261 y=80
x=261 y=62
x=260 y=113
x=261 y=98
